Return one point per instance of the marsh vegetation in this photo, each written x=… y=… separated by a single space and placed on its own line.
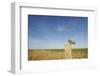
x=53 y=54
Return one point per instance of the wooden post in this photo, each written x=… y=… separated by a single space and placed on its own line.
x=68 y=51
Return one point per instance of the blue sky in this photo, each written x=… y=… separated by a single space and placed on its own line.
x=52 y=32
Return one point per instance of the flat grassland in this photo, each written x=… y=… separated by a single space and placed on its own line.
x=53 y=54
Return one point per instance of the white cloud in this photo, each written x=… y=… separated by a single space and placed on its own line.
x=60 y=29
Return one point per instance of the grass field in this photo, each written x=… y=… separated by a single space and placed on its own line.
x=53 y=54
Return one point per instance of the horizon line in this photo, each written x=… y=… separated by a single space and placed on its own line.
x=58 y=48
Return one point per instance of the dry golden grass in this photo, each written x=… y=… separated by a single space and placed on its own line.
x=53 y=54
